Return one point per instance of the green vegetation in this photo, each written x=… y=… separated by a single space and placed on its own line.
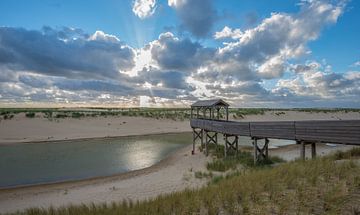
x=156 y=113
x=30 y=114
x=232 y=161
x=77 y=115
x=354 y=153
x=241 y=112
x=201 y=175
x=319 y=186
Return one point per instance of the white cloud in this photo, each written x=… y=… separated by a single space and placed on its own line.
x=100 y=35
x=144 y=8
x=272 y=68
x=316 y=81
x=176 y=3
x=227 y=32
x=356 y=64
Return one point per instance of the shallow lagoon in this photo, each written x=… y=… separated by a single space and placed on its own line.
x=37 y=163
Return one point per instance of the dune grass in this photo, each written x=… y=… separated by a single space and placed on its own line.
x=232 y=161
x=157 y=113
x=320 y=186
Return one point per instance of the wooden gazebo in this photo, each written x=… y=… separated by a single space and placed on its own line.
x=208 y=110
x=213 y=107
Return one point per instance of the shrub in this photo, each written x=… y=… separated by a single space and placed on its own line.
x=77 y=115
x=30 y=114
x=61 y=115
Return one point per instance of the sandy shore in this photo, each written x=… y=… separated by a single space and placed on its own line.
x=21 y=129
x=172 y=174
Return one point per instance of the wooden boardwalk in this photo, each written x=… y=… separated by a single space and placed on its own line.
x=327 y=131
x=303 y=132
x=206 y=124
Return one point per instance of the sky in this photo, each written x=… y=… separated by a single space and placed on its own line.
x=170 y=53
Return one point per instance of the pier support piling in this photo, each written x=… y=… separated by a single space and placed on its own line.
x=197 y=135
x=260 y=153
x=303 y=149
x=313 y=150
x=210 y=137
x=231 y=145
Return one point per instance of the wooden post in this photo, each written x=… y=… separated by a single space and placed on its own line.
x=227 y=113
x=191 y=114
x=218 y=113
x=267 y=148
x=226 y=144
x=302 y=150
x=202 y=138
x=216 y=140
x=255 y=150
x=313 y=150
x=237 y=144
x=206 y=143
x=194 y=138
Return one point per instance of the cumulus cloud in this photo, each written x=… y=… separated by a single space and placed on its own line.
x=315 y=81
x=227 y=32
x=171 y=53
x=197 y=16
x=144 y=8
x=262 y=52
x=65 y=52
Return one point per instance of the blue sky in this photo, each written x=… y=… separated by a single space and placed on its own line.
x=172 y=52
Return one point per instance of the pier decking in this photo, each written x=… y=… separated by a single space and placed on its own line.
x=303 y=132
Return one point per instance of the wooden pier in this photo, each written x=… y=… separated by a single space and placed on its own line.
x=302 y=132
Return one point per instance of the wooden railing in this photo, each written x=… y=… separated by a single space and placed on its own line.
x=329 y=131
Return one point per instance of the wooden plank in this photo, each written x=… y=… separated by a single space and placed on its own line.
x=329 y=122
x=282 y=130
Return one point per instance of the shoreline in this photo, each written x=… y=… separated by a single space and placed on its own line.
x=90 y=138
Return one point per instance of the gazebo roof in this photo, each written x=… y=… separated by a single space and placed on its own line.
x=210 y=103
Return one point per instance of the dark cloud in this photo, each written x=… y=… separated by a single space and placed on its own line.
x=197 y=16
x=66 y=52
x=93 y=85
x=172 y=53
x=167 y=79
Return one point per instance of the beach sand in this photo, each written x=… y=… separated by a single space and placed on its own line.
x=174 y=173
x=21 y=129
